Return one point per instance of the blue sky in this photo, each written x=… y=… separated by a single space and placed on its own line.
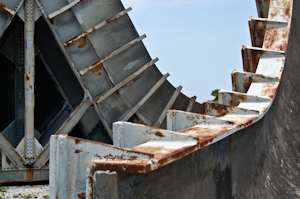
x=197 y=41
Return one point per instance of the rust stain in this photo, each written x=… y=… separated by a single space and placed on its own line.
x=248 y=121
x=159 y=134
x=287 y=10
x=282 y=9
x=30 y=175
x=270 y=89
x=277 y=39
x=246 y=83
x=204 y=133
x=281 y=69
x=6 y=9
x=176 y=155
x=122 y=166
x=236 y=99
x=240 y=120
x=81 y=196
x=87 y=32
x=91 y=185
x=135 y=79
x=80 y=140
x=259 y=32
x=82 y=42
x=251 y=58
x=206 y=142
x=78 y=151
x=77 y=142
x=219 y=108
x=52 y=21
x=8 y=160
x=96 y=70
x=27 y=77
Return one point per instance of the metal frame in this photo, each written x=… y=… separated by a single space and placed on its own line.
x=187 y=132
x=32 y=146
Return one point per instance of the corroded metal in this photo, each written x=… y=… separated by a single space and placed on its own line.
x=190 y=133
x=75 y=67
x=29 y=77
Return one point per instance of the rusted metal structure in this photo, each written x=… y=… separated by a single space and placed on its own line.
x=244 y=147
x=73 y=67
x=98 y=71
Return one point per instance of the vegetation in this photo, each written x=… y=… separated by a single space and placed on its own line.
x=215 y=93
x=3 y=189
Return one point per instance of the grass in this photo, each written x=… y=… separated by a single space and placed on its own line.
x=3 y=189
x=24 y=196
x=216 y=101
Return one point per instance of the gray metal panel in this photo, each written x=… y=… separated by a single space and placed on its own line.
x=127 y=62
x=82 y=53
x=51 y=6
x=104 y=41
x=113 y=108
x=12 y=4
x=139 y=87
x=93 y=12
x=4 y=19
x=97 y=82
x=152 y=109
x=181 y=102
x=66 y=26
x=90 y=120
x=114 y=35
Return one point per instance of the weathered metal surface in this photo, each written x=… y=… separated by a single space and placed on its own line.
x=248 y=113
x=79 y=149
x=65 y=8
x=260 y=161
x=263 y=8
x=258 y=28
x=82 y=35
x=114 y=53
x=241 y=81
x=6 y=9
x=29 y=80
x=252 y=55
x=86 y=67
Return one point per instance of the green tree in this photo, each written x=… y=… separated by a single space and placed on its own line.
x=215 y=93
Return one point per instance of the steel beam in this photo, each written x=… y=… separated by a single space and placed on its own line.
x=169 y=105
x=29 y=79
x=7 y=9
x=126 y=81
x=65 y=128
x=11 y=152
x=147 y=96
x=191 y=104
x=65 y=8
